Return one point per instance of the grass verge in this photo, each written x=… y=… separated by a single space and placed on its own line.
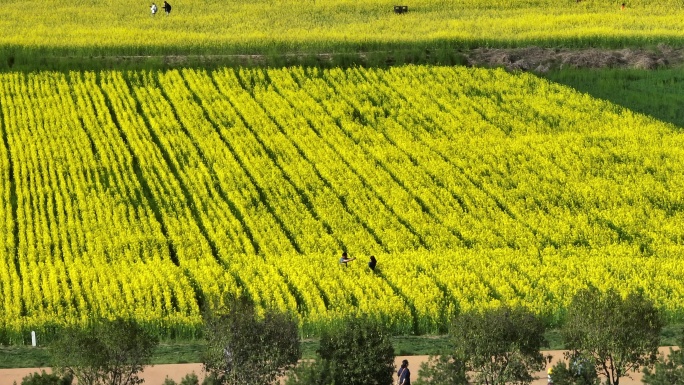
x=383 y=58
x=180 y=352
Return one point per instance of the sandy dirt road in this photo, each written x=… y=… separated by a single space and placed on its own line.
x=155 y=375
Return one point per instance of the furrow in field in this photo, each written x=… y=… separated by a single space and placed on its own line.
x=316 y=135
x=411 y=126
x=230 y=176
x=244 y=125
x=375 y=108
x=193 y=251
x=212 y=213
x=321 y=170
x=10 y=279
x=446 y=134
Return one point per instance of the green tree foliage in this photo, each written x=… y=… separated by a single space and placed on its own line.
x=44 y=378
x=309 y=373
x=244 y=348
x=669 y=370
x=579 y=371
x=444 y=369
x=192 y=379
x=360 y=352
x=105 y=353
x=499 y=346
x=620 y=335
x=189 y=379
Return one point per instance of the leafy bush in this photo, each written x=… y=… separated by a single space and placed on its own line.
x=45 y=378
x=580 y=371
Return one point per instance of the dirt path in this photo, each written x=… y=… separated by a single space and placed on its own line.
x=536 y=59
x=155 y=375
x=542 y=59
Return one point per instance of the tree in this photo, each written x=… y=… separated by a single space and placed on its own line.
x=499 y=346
x=246 y=349
x=105 y=353
x=619 y=335
x=360 y=352
x=669 y=370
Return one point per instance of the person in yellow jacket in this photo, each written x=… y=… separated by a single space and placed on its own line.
x=548 y=372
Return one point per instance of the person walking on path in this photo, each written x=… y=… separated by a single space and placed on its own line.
x=167 y=8
x=404 y=374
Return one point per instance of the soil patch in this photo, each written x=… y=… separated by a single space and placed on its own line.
x=544 y=59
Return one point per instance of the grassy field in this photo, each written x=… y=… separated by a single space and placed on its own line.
x=68 y=33
x=180 y=352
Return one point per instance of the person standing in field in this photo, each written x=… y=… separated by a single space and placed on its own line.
x=153 y=9
x=404 y=374
x=372 y=262
x=167 y=8
x=345 y=258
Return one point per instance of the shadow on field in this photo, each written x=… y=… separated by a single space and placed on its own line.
x=657 y=93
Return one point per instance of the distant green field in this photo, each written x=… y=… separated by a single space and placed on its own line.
x=36 y=32
x=149 y=194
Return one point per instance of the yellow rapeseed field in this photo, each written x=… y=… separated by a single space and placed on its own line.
x=126 y=27
x=149 y=194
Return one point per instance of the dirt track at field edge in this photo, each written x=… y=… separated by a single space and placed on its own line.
x=533 y=59
x=155 y=375
x=543 y=59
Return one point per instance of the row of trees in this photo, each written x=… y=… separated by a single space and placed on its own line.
x=607 y=336
x=243 y=347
